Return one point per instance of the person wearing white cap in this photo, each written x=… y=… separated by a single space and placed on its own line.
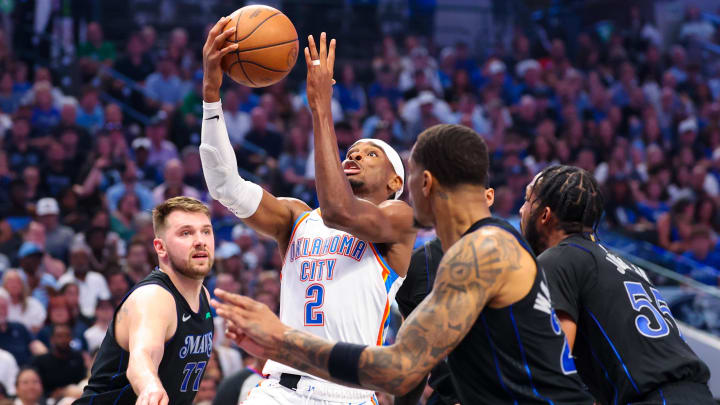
x=343 y=262
x=58 y=236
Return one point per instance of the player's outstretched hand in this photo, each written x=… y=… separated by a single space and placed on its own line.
x=153 y=394
x=213 y=52
x=251 y=324
x=320 y=67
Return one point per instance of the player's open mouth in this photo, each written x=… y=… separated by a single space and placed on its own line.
x=200 y=255
x=351 y=167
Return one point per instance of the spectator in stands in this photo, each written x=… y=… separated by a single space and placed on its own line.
x=90 y=115
x=161 y=150
x=121 y=220
x=19 y=151
x=148 y=174
x=14 y=337
x=293 y=166
x=237 y=121
x=29 y=388
x=61 y=357
x=695 y=27
x=119 y=286
x=58 y=173
x=349 y=93
x=174 y=183
x=92 y=285
x=422 y=112
x=8 y=371
x=22 y=308
x=61 y=313
x=137 y=262
x=385 y=86
x=135 y=64
x=164 y=86
x=9 y=98
x=32 y=180
x=130 y=184
x=269 y=141
x=30 y=258
x=674 y=228
x=45 y=117
x=96 y=48
x=95 y=334
x=192 y=168
x=58 y=236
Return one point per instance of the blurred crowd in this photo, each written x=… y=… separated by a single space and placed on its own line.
x=81 y=167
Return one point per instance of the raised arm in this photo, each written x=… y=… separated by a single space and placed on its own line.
x=391 y=221
x=143 y=334
x=470 y=275
x=258 y=208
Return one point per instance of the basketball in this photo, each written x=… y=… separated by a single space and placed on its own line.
x=267 y=46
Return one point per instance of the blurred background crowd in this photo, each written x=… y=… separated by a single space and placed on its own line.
x=100 y=111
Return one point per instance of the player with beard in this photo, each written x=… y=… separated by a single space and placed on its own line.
x=627 y=346
x=160 y=338
x=342 y=262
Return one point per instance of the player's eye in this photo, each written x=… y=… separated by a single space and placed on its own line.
x=373 y=154
x=185 y=233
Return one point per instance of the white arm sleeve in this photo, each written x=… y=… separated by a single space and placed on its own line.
x=219 y=165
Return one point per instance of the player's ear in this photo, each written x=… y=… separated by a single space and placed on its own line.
x=395 y=183
x=490 y=196
x=546 y=215
x=427 y=183
x=159 y=246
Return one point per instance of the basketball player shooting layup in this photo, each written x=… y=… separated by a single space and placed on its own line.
x=489 y=308
x=337 y=277
x=160 y=338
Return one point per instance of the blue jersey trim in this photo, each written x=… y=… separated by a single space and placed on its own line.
x=92 y=398
x=579 y=247
x=121 y=394
x=662 y=396
x=497 y=363
x=299 y=218
x=120 y=370
x=607 y=376
x=524 y=359
x=392 y=276
x=614 y=350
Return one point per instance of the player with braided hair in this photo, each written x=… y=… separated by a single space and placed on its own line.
x=627 y=345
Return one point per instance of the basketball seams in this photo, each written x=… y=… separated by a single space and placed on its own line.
x=244 y=72
x=266 y=46
x=254 y=29
x=262 y=66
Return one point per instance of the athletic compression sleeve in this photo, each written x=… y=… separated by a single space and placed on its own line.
x=219 y=165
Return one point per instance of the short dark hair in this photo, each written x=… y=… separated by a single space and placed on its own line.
x=573 y=195
x=180 y=203
x=454 y=154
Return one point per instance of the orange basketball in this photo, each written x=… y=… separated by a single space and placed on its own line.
x=267 y=46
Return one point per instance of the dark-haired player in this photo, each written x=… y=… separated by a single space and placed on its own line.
x=160 y=339
x=627 y=346
x=489 y=310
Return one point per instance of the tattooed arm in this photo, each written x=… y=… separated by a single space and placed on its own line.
x=470 y=275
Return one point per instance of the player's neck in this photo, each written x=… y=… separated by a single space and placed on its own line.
x=555 y=237
x=188 y=287
x=456 y=212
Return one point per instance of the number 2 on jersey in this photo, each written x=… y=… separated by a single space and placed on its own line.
x=639 y=299
x=316 y=294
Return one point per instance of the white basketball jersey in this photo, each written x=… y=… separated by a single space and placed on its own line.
x=335 y=286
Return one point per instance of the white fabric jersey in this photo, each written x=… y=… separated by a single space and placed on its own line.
x=334 y=286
